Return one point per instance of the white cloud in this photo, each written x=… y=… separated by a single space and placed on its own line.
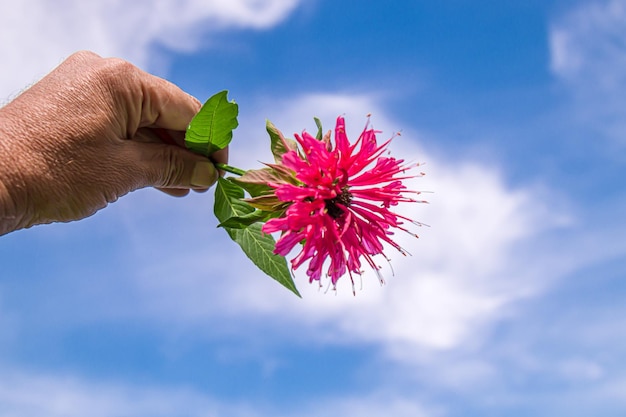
x=378 y=406
x=37 y=34
x=28 y=395
x=588 y=52
x=466 y=271
x=583 y=39
x=577 y=369
x=461 y=273
x=33 y=395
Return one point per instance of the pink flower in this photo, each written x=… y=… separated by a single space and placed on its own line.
x=339 y=207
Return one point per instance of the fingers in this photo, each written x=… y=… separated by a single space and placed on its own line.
x=180 y=192
x=220 y=156
x=165 y=105
x=170 y=167
x=144 y=100
x=174 y=192
x=150 y=105
x=170 y=110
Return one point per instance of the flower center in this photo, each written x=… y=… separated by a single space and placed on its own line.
x=344 y=199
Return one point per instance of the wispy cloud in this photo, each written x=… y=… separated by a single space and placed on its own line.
x=38 y=34
x=588 y=52
x=32 y=395
x=466 y=269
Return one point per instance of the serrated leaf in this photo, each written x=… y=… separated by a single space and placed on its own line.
x=228 y=201
x=241 y=222
x=212 y=128
x=258 y=246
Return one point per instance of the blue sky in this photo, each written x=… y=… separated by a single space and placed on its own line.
x=511 y=303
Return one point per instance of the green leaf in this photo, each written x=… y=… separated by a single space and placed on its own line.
x=212 y=128
x=318 y=123
x=257 y=245
x=321 y=136
x=228 y=201
x=241 y=222
x=278 y=144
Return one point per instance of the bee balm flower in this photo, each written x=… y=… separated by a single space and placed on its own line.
x=340 y=203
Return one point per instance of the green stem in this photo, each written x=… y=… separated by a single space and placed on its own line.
x=231 y=169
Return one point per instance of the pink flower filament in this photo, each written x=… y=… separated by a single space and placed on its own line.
x=340 y=211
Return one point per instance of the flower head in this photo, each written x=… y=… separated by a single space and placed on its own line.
x=339 y=202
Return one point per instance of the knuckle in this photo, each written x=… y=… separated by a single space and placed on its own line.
x=116 y=69
x=83 y=56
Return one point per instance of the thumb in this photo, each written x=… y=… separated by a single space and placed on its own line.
x=166 y=166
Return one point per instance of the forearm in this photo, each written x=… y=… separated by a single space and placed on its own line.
x=8 y=216
x=8 y=212
x=13 y=211
x=9 y=220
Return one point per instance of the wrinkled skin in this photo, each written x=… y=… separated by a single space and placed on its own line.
x=84 y=136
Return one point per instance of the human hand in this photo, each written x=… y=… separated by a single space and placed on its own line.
x=84 y=136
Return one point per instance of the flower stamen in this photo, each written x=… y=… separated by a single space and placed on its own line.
x=332 y=205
